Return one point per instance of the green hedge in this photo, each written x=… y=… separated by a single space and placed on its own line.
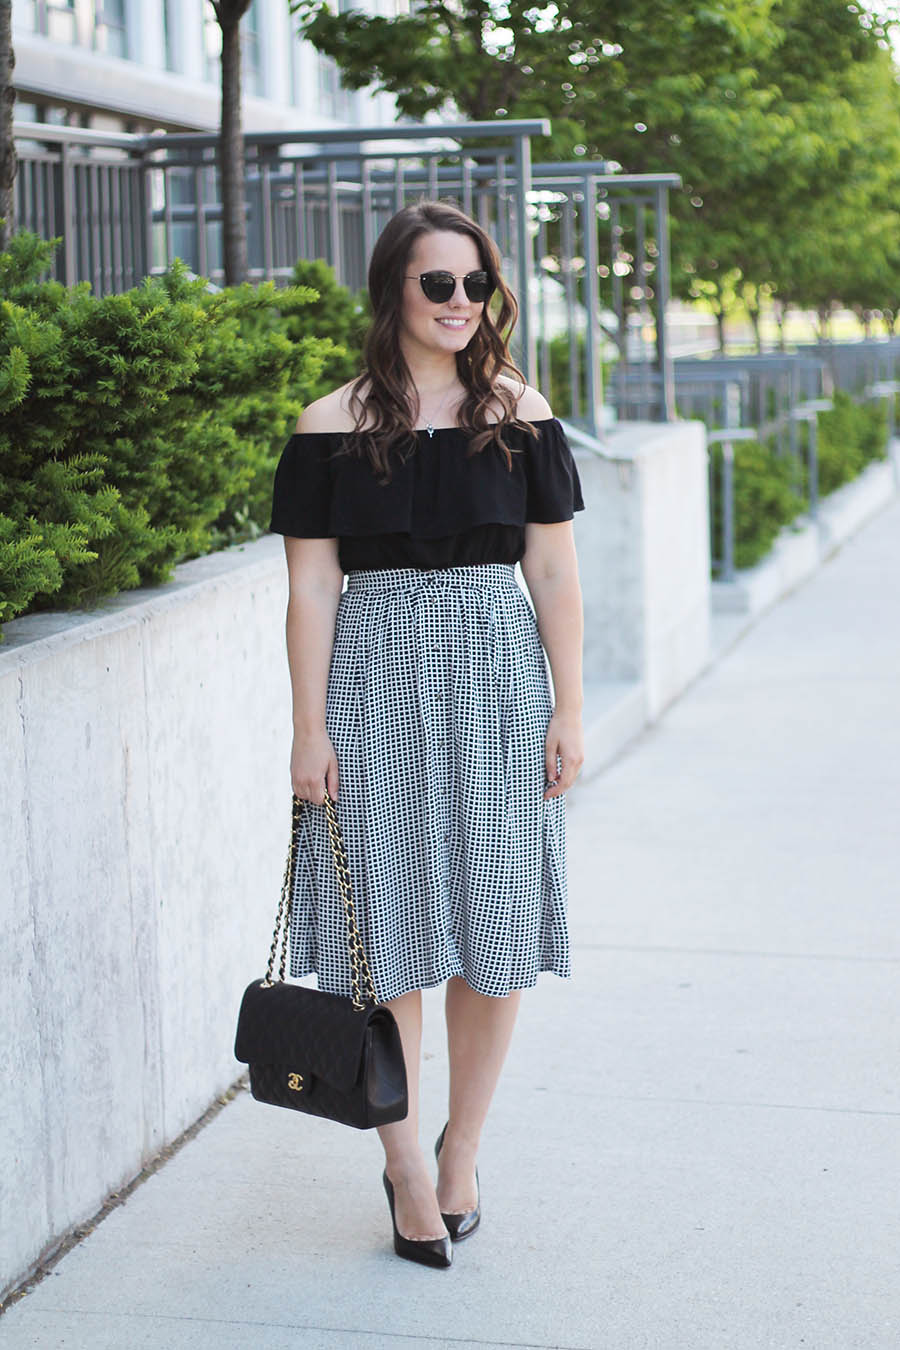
x=850 y=436
x=335 y=312
x=560 y=391
x=763 y=499
x=141 y=429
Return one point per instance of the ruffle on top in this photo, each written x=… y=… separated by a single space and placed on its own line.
x=437 y=491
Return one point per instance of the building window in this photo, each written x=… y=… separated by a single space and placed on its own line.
x=334 y=99
x=24 y=15
x=99 y=24
x=251 y=58
x=296 y=70
x=212 y=45
x=55 y=19
x=170 y=36
x=110 y=27
x=251 y=61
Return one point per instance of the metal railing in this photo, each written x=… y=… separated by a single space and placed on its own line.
x=604 y=238
x=768 y=398
x=586 y=251
x=327 y=194
x=88 y=188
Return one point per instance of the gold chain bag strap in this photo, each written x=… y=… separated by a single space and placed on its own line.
x=313 y=1051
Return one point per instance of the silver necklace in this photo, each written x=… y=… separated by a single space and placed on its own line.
x=430 y=424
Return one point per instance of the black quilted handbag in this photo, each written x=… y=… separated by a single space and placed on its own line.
x=316 y=1052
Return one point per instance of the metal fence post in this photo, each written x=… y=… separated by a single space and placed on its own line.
x=334 y=224
x=663 y=274
x=813 y=466
x=593 y=365
x=524 y=262
x=727 y=511
x=67 y=210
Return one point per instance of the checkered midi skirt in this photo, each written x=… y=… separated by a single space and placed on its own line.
x=438 y=704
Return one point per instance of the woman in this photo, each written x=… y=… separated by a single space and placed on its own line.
x=422 y=689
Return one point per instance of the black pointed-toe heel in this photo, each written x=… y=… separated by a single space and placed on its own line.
x=463 y=1225
x=427 y=1251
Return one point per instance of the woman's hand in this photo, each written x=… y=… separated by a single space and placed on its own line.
x=314 y=767
x=565 y=741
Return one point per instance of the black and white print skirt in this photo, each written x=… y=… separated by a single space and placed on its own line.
x=438 y=704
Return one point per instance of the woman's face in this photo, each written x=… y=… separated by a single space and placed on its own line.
x=447 y=327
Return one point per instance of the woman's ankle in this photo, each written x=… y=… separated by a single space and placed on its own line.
x=404 y=1169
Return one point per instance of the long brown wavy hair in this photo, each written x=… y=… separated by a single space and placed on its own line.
x=383 y=399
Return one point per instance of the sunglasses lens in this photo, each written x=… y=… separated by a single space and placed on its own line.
x=477 y=286
x=438 y=286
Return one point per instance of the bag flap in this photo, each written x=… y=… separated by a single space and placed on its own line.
x=307 y=1030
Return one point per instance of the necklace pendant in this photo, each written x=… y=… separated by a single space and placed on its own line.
x=430 y=430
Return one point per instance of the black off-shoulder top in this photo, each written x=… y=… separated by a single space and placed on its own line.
x=442 y=507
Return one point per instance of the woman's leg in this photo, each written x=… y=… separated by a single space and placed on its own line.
x=479 y=1030
x=417 y=1211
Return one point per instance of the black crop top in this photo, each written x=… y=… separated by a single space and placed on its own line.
x=442 y=507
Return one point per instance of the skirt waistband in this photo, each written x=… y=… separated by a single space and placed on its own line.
x=414 y=578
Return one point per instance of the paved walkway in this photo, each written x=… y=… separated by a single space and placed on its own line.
x=696 y=1144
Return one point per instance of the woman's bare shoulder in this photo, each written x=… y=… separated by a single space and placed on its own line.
x=531 y=405
x=329 y=414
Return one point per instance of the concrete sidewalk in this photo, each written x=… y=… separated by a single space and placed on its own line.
x=695 y=1145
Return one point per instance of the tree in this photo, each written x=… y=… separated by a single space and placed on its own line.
x=792 y=181
x=597 y=68
x=7 y=140
x=767 y=110
x=231 y=142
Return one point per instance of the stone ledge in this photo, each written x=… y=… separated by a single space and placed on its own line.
x=261 y=559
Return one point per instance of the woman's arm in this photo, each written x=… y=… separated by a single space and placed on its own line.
x=316 y=581
x=550 y=568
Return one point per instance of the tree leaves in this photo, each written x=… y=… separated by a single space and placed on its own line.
x=782 y=116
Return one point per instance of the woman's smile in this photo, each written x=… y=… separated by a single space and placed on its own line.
x=458 y=316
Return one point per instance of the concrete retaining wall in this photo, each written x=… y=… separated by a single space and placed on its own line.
x=144 y=814
x=643 y=545
x=145 y=811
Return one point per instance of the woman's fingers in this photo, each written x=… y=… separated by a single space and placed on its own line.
x=331 y=778
x=551 y=764
x=562 y=763
x=314 y=769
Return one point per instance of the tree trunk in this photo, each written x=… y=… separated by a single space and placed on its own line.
x=720 y=321
x=231 y=143
x=781 y=321
x=755 y=321
x=8 y=162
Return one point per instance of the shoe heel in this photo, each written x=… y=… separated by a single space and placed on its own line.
x=460 y=1226
x=435 y=1252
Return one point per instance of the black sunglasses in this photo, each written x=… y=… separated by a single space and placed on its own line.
x=439 y=286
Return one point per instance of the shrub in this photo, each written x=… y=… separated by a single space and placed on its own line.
x=337 y=312
x=560 y=391
x=138 y=429
x=850 y=436
x=763 y=499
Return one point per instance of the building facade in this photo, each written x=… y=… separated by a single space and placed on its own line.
x=144 y=65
